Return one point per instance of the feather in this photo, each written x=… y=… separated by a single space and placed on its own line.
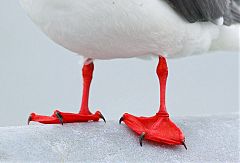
x=208 y=10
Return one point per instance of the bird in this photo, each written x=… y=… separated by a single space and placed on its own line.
x=110 y=29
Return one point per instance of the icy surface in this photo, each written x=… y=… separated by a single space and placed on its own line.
x=212 y=138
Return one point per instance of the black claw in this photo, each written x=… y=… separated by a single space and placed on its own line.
x=59 y=116
x=29 y=119
x=120 y=120
x=141 y=138
x=183 y=143
x=102 y=117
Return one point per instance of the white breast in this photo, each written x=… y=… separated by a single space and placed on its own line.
x=107 y=29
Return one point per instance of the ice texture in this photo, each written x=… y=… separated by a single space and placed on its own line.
x=209 y=139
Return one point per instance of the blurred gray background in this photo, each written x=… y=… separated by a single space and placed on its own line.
x=36 y=75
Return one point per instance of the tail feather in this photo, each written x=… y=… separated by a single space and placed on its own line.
x=232 y=15
x=236 y=11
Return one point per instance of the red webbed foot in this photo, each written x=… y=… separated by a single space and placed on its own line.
x=158 y=128
x=61 y=117
x=84 y=115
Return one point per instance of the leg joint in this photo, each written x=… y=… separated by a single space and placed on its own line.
x=87 y=71
x=162 y=69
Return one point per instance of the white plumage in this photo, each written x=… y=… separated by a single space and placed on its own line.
x=107 y=29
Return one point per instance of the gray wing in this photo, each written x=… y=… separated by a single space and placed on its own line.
x=208 y=10
x=232 y=16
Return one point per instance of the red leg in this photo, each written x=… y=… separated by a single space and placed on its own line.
x=84 y=114
x=158 y=128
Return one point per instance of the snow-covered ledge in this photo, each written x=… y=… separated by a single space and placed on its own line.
x=210 y=138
